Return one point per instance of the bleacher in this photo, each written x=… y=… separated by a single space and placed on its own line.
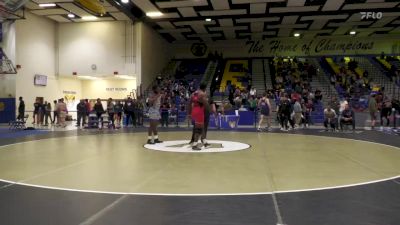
x=191 y=69
x=235 y=72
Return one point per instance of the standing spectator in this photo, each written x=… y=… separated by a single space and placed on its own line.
x=88 y=108
x=164 y=114
x=284 y=112
x=297 y=113
x=47 y=113
x=330 y=118
x=386 y=110
x=98 y=108
x=81 y=111
x=309 y=107
x=42 y=111
x=140 y=110
x=36 y=106
x=110 y=112
x=21 y=109
x=252 y=103
x=118 y=108
x=62 y=112
x=55 y=113
x=129 y=109
x=373 y=109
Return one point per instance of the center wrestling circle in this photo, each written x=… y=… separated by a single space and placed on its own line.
x=184 y=146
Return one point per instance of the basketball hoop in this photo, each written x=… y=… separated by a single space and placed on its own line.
x=6 y=65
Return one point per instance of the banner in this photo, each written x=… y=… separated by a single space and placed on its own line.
x=319 y=46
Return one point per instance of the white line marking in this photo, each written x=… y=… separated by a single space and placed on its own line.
x=205 y=194
x=100 y=213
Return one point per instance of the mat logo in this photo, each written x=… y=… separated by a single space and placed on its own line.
x=371 y=15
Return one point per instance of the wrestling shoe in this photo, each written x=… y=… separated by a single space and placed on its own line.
x=150 y=142
x=196 y=148
x=207 y=145
x=157 y=141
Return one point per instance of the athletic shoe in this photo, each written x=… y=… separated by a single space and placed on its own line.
x=196 y=148
x=207 y=145
x=150 y=142
x=157 y=141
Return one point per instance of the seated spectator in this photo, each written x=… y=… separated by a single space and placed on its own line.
x=253 y=92
x=347 y=118
x=318 y=95
x=330 y=118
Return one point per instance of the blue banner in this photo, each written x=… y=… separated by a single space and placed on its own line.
x=7 y=110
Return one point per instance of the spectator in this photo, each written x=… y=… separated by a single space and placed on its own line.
x=330 y=118
x=55 y=113
x=253 y=92
x=81 y=111
x=47 y=113
x=36 y=106
x=62 y=112
x=165 y=114
x=118 y=108
x=297 y=110
x=284 y=113
x=111 y=112
x=129 y=109
x=373 y=109
x=318 y=95
x=347 y=118
x=88 y=108
x=140 y=109
x=98 y=108
x=21 y=109
x=386 y=110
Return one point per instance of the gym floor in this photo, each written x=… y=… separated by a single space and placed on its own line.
x=110 y=177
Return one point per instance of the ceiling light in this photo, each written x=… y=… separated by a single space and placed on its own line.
x=154 y=14
x=125 y=1
x=89 y=18
x=296 y=34
x=208 y=20
x=353 y=32
x=125 y=77
x=70 y=15
x=47 y=4
x=87 y=77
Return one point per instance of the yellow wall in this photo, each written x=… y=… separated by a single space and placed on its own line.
x=116 y=89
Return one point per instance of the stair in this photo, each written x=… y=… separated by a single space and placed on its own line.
x=321 y=82
x=258 y=76
x=268 y=77
x=378 y=76
x=209 y=74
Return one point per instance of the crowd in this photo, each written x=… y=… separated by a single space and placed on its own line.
x=349 y=83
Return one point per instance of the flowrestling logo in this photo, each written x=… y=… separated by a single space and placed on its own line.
x=371 y=15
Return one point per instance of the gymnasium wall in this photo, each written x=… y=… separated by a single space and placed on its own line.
x=320 y=46
x=116 y=89
x=36 y=53
x=96 y=48
x=153 y=55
